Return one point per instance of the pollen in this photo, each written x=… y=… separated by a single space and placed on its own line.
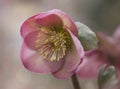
x=56 y=44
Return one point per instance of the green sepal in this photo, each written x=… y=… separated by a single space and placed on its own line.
x=86 y=36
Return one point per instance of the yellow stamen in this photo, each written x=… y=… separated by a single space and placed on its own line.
x=55 y=45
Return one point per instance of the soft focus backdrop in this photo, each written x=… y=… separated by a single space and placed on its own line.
x=99 y=15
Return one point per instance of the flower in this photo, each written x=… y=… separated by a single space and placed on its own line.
x=108 y=52
x=50 y=44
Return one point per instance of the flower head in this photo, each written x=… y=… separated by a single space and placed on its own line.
x=50 y=44
x=108 y=52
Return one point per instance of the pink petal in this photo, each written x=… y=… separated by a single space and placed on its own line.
x=32 y=37
x=53 y=17
x=28 y=26
x=107 y=43
x=48 y=20
x=67 y=21
x=89 y=68
x=116 y=34
x=72 y=59
x=36 y=63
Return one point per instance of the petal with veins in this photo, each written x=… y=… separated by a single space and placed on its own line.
x=36 y=63
x=72 y=59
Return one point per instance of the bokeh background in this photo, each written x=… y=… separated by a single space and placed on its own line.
x=99 y=15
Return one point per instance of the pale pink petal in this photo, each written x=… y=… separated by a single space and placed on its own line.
x=72 y=59
x=63 y=74
x=45 y=19
x=89 y=68
x=116 y=37
x=28 y=26
x=32 y=37
x=107 y=44
x=48 y=20
x=36 y=63
x=116 y=34
x=67 y=21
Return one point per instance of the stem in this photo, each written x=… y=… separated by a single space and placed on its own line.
x=99 y=87
x=75 y=82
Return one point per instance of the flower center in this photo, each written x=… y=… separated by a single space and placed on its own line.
x=56 y=44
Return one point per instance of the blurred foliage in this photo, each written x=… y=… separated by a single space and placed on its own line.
x=103 y=15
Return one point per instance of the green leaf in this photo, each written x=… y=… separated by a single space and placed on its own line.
x=86 y=36
x=105 y=75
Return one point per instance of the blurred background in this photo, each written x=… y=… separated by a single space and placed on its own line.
x=99 y=15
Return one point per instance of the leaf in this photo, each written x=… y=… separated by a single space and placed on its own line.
x=86 y=36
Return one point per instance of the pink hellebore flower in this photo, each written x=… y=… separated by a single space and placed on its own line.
x=50 y=44
x=108 y=52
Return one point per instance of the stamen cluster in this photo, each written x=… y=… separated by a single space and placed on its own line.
x=55 y=46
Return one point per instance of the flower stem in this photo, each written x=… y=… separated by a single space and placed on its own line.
x=99 y=87
x=75 y=82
